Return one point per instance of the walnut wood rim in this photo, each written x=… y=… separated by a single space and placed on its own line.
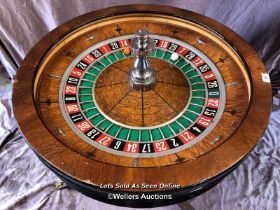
x=23 y=88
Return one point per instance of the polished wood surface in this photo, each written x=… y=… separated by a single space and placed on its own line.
x=135 y=108
x=239 y=129
x=236 y=102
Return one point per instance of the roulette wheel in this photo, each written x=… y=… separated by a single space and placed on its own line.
x=142 y=105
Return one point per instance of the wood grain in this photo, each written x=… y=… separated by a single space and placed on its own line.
x=145 y=109
x=241 y=125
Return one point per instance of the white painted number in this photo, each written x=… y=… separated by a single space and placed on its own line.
x=146 y=148
x=118 y=144
x=175 y=144
x=96 y=53
x=83 y=126
x=104 y=141
x=82 y=65
x=160 y=146
x=114 y=45
x=131 y=147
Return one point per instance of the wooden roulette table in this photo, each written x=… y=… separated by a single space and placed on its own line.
x=133 y=147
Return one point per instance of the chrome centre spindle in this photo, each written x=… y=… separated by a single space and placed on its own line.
x=142 y=77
